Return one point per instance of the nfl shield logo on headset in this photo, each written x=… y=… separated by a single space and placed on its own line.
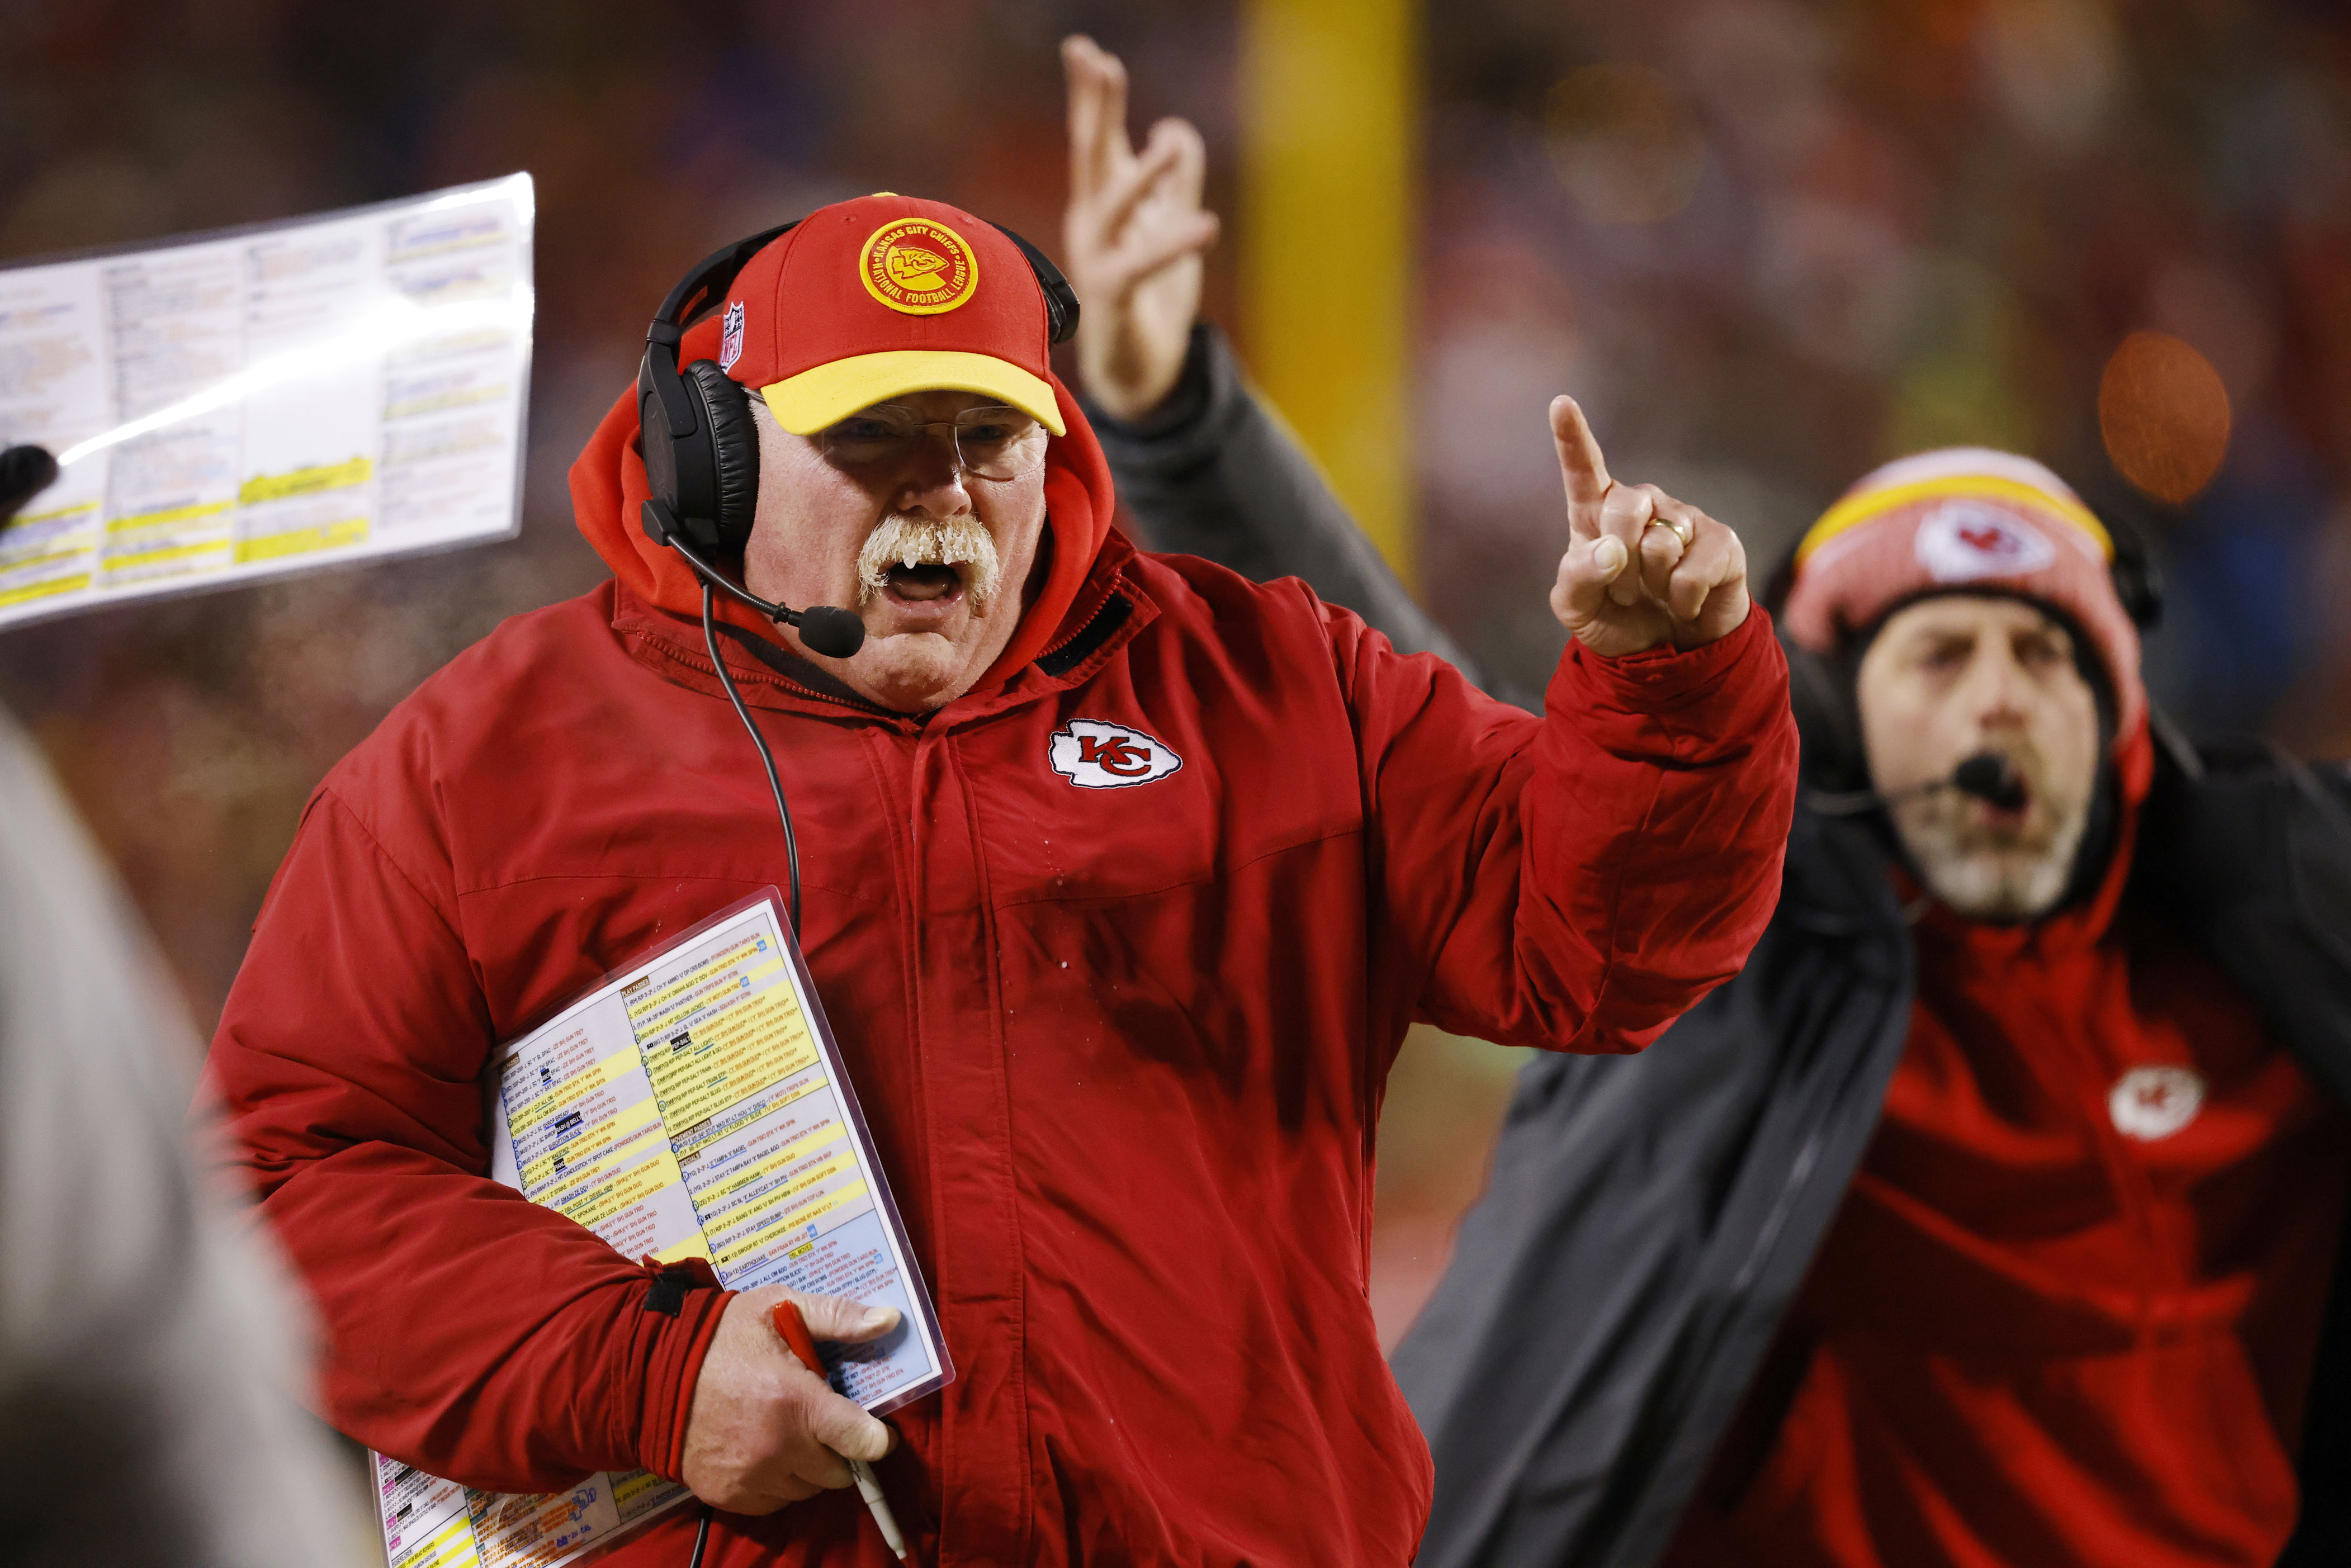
x=730 y=337
x=1094 y=753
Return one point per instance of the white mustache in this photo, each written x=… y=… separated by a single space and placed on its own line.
x=909 y=541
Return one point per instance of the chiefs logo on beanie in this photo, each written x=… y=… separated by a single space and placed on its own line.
x=1960 y=519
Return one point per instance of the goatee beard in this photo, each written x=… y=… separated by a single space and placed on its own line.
x=1992 y=874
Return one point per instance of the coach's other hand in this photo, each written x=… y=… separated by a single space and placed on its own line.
x=765 y=1431
x=1133 y=233
x=1641 y=567
x=25 y=473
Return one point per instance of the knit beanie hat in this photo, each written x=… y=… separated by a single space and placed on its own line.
x=1963 y=519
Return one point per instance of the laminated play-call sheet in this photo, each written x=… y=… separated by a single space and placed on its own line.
x=691 y=1105
x=246 y=403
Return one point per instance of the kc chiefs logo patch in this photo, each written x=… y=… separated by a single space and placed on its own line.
x=1963 y=540
x=918 y=266
x=1094 y=755
x=2153 y=1103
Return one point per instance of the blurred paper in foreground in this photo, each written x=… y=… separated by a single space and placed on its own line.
x=260 y=401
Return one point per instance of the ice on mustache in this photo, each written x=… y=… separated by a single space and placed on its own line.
x=902 y=540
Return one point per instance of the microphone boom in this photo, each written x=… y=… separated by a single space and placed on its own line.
x=825 y=629
x=1988 y=776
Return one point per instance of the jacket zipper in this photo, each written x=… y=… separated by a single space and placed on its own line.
x=1083 y=627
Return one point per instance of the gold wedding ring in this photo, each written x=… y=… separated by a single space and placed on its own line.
x=1680 y=528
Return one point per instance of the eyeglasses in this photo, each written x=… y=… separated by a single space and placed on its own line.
x=992 y=443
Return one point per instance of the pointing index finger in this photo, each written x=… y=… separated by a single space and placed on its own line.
x=1580 y=466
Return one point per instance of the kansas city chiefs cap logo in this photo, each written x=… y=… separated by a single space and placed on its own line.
x=919 y=267
x=1094 y=753
x=1964 y=540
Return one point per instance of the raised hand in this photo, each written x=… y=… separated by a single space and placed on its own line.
x=1641 y=567
x=1132 y=237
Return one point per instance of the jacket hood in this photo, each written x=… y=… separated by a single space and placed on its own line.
x=609 y=488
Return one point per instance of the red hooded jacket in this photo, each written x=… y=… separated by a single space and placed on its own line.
x=1123 y=1049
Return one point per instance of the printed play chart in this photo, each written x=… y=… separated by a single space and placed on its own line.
x=691 y=1105
x=261 y=401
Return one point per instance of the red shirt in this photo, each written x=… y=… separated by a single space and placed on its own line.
x=2068 y=1312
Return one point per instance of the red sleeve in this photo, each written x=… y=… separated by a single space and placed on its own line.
x=470 y=1333
x=1589 y=876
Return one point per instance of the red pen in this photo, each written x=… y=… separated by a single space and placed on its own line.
x=793 y=1328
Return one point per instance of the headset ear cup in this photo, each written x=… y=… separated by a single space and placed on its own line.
x=734 y=450
x=1828 y=720
x=654 y=439
x=2139 y=583
x=1779 y=583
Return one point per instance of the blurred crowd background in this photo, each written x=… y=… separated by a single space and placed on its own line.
x=1768 y=243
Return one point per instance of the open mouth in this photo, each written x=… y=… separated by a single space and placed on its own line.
x=924 y=584
x=2007 y=816
x=924 y=567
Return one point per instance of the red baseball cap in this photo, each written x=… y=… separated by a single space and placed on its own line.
x=870 y=299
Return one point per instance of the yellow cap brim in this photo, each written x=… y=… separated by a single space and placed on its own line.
x=807 y=403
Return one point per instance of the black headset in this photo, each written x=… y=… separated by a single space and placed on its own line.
x=694 y=421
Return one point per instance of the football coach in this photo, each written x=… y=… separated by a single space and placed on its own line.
x=1125 y=877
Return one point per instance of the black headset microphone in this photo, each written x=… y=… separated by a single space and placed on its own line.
x=701 y=447
x=1991 y=777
